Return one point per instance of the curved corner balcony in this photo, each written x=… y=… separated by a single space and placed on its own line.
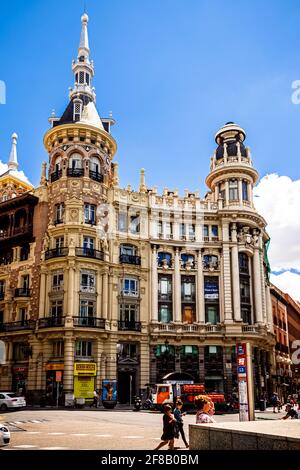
x=50 y=322
x=56 y=175
x=129 y=325
x=90 y=253
x=75 y=172
x=130 y=259
x=89 y=322
x=94 y=175
x=18 y=325
x=56 y=252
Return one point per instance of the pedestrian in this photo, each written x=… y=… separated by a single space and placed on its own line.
x=169 y=422
x=178 y=415
x=95 y=399
x=275 y=402
x=290 y=412
x=205 y=409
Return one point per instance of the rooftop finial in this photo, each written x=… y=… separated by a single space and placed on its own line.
x=13 y=158
x=84 y=38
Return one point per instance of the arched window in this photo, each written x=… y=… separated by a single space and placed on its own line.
x=243 y=263
x=233 y=190
x=95 y=169
x=75 y=165
x=164 y=259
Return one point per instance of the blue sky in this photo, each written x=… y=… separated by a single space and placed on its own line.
x=172 y=72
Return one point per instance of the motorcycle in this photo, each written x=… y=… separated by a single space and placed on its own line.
x=148 y=405
x=137 y=403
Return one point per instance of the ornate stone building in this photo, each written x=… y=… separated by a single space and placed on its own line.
x=135 y=284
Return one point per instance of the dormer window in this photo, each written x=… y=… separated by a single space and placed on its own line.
x=81 y=78
x=77 y=110
x=87 y=79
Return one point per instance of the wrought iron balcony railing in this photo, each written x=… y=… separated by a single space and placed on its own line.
x=129 y=325
x=94 y=175
x=49 y=322
x=130 y=259
x=18 y=325
x=75 y=172
x=89 y=322
x=22 y=292
x=56 y=252
x=90 y=253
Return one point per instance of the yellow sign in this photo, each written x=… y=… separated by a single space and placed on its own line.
x=84 y=387
x=85 y=368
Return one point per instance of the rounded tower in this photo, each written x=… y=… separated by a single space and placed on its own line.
x=232 y=176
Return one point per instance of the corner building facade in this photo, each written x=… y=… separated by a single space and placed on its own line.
x=135 y=285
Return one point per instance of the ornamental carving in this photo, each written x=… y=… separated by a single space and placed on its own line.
x=74 y=214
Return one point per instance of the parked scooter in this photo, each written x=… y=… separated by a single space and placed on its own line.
x=137 y=403
x=148 y=404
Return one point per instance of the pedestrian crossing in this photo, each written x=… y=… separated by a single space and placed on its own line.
x=23 y=421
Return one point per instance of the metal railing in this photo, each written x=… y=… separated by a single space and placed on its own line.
x=130 y=259
x=94 y=175
x=49 y=322
x=89 y=322
x=129 y=325
x=56 y=252
x=18 y=325
x=55 y=175
x=22 y=292
x=75 y=172
x=89 y=253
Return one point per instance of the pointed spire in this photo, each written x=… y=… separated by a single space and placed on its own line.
x=13 y=158
x=143 y=187
x=83 y=68
x=84 y=49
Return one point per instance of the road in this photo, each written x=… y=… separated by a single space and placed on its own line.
x=92 y=429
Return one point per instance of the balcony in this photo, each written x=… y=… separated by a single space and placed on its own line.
x=129 y=325
x=58 y=221
x=18 y=325
x=89 y=322
x=90 y=253
x=94 y=175
x=90 y=221
x=164 y=297
x=22 y=292
x=57 y=252
x=249 y=329
x=55 y=176
x=49 y=322
x=130 y=259
x=15 y=232
x=75 y=172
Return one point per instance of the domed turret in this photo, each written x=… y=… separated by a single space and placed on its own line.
x=233 y=136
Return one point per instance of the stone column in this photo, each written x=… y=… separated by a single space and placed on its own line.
x=177 y=288
x=68 y=364
x=200 y=316
x=71 y=289
x=235 y=277
x=240 y=188
x=226 y=193
x=250 y=196
x=257 y=286
x=105 y=295
x=154 y=286
x=144 y=365
x=99 y=312
x=42 y=294
x=226 y=274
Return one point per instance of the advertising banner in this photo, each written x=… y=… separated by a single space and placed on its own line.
x=244 y=373
x=109 y=390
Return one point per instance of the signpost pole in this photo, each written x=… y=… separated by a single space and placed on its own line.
x=130 y=389
x=57 y=393
x=245 y=381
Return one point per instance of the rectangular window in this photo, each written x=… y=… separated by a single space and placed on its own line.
x=25 y=282
x=88 y=243
x=20 y=351
x=182 y=230
x=122 y=222
x=22 y=315
x=130 y=287
x=214 y=231
x=89 y=214
x=1 y=317
x=129 y=313
x=59 y=213
x=205 y=232
x=165 y=288
x=212 y=314
x=56 y=309
x=211 y=288
x=2 y=288
x=188 y=314
x=87 y=308
x=57 y=281
x=59 y=242
x=159 y=229
x=83 y=348
x=245 y=190
x=233 y=190
x=191 y=231
x=164 y=314
x=128 y=250
x=135 y=223
x=57 y=348
x=87 y=282
x=169 y=230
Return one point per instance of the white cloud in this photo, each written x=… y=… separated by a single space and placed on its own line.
x=3 y=167
x=288 y=282
x=278 y=201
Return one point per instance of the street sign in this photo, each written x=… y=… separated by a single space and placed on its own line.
x=245 y=381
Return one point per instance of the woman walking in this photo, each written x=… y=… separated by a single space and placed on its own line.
x=178 y=415
x=169 y=423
